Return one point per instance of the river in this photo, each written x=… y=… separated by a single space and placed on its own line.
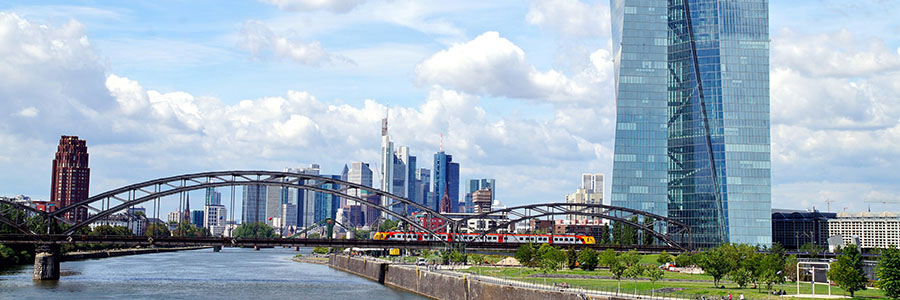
x=233 y=273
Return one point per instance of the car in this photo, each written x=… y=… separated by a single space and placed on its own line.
x=421 y=262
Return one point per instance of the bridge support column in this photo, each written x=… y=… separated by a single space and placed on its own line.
x=46 y=262
x=217 y=248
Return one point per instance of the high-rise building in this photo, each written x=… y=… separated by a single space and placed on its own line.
x=306 y=204
x=446 y=182
x=590 y=192
x=397 y=170
x=71 y=176
x=213 y=197
x=359 y=173
x=214 y=218
x=423 y=188
x=197 y=218
x=326 y=205
x=473 y=185
x=253 y=204
x=372 y=213
x=692 y=115
x=482 y=200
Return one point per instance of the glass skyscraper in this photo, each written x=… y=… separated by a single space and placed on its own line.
x=692 y=123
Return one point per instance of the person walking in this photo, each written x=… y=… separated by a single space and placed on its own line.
x=729 y=296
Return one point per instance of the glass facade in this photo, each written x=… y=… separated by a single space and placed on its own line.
x=715 y=115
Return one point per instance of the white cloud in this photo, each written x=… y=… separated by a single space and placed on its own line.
x=261 y=41
x=492 y=65
x=835 y=54
x=571 y=18
x=336 y=6
x=29 y=112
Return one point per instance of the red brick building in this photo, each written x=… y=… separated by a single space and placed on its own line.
x=71 y=176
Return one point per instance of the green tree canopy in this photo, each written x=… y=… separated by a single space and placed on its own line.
x=888 y=272
x=254 y=230
x=157 y=229
x=608 y=258
x=572 y=258
x=684 y=259
x=551 y=258
x=716 y=262
x=588 y=259
x=527 y=255
x=388 y=225
x=663 y=257
x=847 y=271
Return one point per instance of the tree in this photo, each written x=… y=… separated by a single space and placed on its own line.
x=388 y=225
x=812 y=249
x=254 y=230
x=715 y=262
x=771 y=269
x=634 y=271
x=476 y=258
x=527 y=255
x=847 y=271
x=608 y=258
x=663 y=257
x=587 y=259
x=604 y=235
x=888 y=272
x=617 y=269
x=457 y=257
x=790 y=268
x=741 y=276
x=157 y=229
x=747 y=263
x=684 y=259
x=655 y=274
x=630 y=258
x=551 y=258
x=186 y=229
x=111 y=230
x=646 y=237
x=572 y=258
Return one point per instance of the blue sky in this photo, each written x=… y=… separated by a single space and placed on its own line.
x=521 y=91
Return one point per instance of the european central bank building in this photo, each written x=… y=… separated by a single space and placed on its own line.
x=692 y=119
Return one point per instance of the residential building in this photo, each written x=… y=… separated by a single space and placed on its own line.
x=692 y=140
x=591 y=192
x=795 y=228
x=254 y=204
x=70 y=177
x=446 y=183
x=867 y=230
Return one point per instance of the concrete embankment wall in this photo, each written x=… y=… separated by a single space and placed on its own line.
x=121 y=252
x=437 y=285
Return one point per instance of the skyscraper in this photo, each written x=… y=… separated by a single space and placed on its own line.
x=359 y=173
x=397 y=170
x=446 y=182
x=213 y=197
x=423 y=187
x=472 y=186
x=692 y=119
x=590 y=192
x=306 y=203
x=71 y=176
x=253 y=204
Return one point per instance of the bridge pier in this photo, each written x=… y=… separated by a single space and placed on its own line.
x=46 y=262
x=217 y=248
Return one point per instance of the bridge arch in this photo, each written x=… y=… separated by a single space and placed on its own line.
x=138 y=193
x=615 y=213
x=8 y=206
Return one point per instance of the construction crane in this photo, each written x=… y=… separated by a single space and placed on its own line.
x=884 y=201
x=828 y=202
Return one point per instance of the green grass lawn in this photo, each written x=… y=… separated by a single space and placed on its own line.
x=688 y=288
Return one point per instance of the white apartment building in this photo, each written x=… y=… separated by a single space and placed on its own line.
x=591 y=192
x=214 y=218
x=874 y=230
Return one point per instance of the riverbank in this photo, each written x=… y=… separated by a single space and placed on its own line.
x=311 y=259
x=80 y=255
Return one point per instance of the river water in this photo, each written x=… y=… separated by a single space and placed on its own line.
x=234 y=273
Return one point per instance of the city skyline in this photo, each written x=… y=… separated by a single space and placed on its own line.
x=834 y=116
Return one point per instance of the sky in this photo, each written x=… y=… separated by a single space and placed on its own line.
x=521 y=91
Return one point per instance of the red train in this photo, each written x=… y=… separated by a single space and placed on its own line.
x=490 y=238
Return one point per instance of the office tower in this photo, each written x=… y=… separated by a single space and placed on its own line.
x=446 y=182
x=254 y=204
x=71 y=177
x=371 y=213
x=288 y=218
x=397 y=170
x=306 y=203
x=274 y=195
x=214 y=218
x=590 y=192
x=326 y=205
x=481 y=199
x=423 y=187
x=473 y=185
x=197 y=218
x=361 y=174
x=692 y=115
x=213 y=197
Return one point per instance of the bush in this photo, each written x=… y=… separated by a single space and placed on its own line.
x=321 y=250
x=527 y=255
x=588 y=259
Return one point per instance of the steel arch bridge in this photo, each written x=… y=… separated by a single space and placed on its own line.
x=122 y=198
x=522 y=213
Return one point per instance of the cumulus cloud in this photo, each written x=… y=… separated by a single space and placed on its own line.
x=571 y=18
x=834 y=54
x=261 y=41
x=492 y=65
x=336 y=6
